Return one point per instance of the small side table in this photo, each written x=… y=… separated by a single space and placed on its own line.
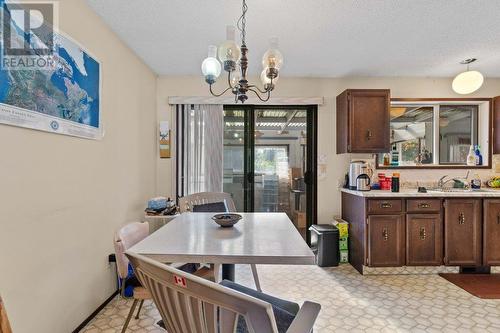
x=158 y=221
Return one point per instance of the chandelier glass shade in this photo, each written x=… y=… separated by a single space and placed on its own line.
x=233 y=59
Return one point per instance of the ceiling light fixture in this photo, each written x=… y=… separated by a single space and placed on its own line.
x=469 y=81
x=235 y=63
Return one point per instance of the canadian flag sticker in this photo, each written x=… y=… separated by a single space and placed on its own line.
x=180 y=281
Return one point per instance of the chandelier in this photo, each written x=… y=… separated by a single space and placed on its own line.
x=235 y=62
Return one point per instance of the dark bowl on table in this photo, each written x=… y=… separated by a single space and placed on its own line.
x=226 y=220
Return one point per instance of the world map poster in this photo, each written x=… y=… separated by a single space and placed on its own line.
x=62 y=98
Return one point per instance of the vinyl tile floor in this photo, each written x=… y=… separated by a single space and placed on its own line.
x=350 y=302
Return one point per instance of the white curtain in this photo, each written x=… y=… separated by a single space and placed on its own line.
x=200 y=143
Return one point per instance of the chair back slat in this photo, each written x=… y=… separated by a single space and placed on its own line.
x=228 y=321
x=186 y=203
x=210 y=312
x=182 y=311
x=188 y=303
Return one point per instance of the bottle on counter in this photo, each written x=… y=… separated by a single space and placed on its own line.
x=395 y=182
x=475 y=184
x=471 y=157
x=479 y=157
x=394 y=156
x=387 y=159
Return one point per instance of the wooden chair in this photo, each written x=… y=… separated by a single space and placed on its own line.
x=188 y=303
x=4 y=320
x=125 y=238
x=187 y=203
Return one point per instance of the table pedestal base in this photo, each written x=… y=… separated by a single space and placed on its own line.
x=228 y=272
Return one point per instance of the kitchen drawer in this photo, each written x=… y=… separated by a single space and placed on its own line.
x=423 y=205
x=381 y=206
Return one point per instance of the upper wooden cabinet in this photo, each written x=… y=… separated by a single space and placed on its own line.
x=363 y=121
x=496 y=125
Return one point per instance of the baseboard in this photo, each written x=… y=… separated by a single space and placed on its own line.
x=93 y=314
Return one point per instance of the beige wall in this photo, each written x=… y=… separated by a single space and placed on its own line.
x=328 y=195
x=62 y=197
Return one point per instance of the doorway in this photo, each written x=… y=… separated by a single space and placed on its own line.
x=270 y=160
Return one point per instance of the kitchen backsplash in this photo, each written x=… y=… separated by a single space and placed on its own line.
x=429 y=177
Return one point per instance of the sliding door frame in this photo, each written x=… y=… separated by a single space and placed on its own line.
x=310 y=175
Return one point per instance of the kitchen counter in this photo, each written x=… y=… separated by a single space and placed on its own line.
x=412 y=193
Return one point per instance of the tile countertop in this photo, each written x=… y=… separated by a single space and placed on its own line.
x=412 y=193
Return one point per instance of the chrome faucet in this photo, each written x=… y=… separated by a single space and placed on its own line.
x=464 y=181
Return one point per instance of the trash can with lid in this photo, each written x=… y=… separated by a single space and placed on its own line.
x=325 y=244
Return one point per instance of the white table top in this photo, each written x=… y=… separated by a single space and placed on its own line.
x=258 y=238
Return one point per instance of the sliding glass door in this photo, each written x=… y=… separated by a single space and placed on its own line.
x=270 y=160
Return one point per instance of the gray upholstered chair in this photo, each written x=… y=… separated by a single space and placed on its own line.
x=188 y=303
x=217 y=202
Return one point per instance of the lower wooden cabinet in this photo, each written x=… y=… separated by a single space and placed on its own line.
x=424 y=240
x=386 y=240
x=425 y=231
x=462 y=232
x=491 y=232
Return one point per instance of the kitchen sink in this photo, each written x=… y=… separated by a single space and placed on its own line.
x=457 y=190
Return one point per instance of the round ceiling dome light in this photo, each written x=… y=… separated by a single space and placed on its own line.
x=469 y=81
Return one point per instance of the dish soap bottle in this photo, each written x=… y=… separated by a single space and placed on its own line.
x=471 y=157
x=479 y=157
x=475 y=184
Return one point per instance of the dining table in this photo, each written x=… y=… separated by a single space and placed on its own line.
x=257 y=239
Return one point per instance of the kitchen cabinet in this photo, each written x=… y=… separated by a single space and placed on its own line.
x=462 y=232
x=496 y=125
x=424 y=239
x=386 y=240
x=397 y=229
x=363 y=121
x=491 y=232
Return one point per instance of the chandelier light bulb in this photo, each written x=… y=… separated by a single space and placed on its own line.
x=273 y=58
x=229 y=52
x=236 y=75
x=467 y=82
x=211 y=67
x=265 y=79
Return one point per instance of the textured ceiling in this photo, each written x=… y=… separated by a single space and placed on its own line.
x=320 y=38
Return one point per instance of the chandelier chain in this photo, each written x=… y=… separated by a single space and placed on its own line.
x=242 y=22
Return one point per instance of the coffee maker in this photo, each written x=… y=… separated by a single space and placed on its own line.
x=355 y=169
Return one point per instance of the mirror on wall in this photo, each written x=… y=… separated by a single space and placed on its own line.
x=436 y=133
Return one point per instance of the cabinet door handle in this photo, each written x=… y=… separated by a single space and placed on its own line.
x=385 y=205
x=385 y=234
x=461 y=218
x=369 y=134
x=498 y=219
x=423 y=234
x=423 y=205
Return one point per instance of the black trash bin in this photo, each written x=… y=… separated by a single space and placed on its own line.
x=325 y=244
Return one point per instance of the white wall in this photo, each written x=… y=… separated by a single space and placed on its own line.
x=328 y=204
x=62 y=198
